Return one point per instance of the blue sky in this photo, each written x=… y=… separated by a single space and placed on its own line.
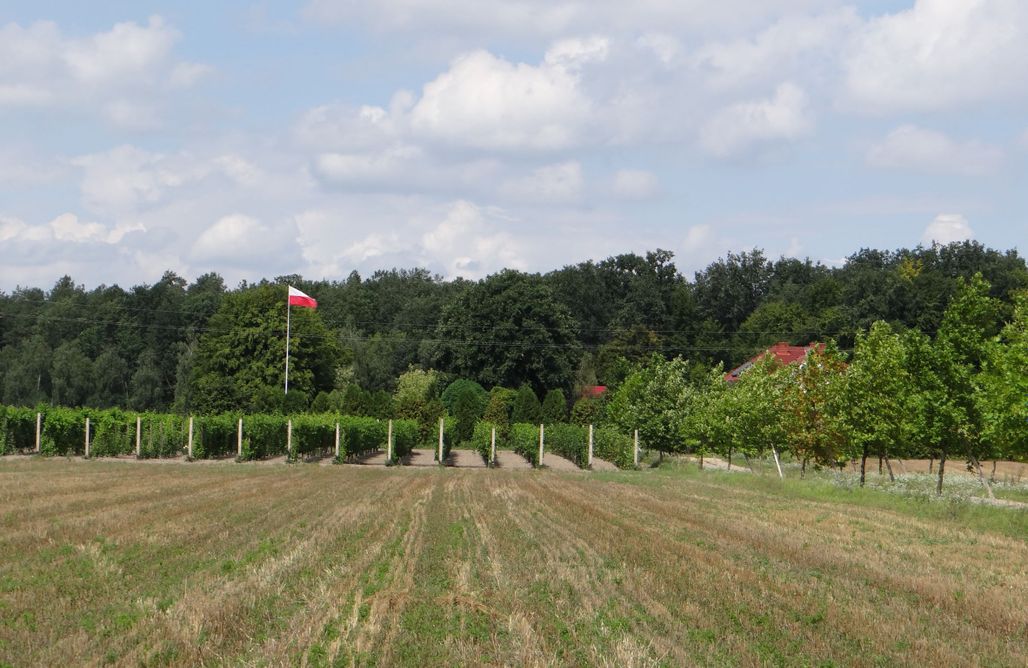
x=257 y=139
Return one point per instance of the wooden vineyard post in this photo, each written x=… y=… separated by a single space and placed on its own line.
x=492 y=448
x=87 y=438
x=542 y=439
x=189 y=445
x=589 y=460
x=635 y=448
x=139 y=435
x=337 y=440
x=289 y=439
x=440 y=441
x=777 y=463
x=239 y=440
x=39 y=432
x=389 y=443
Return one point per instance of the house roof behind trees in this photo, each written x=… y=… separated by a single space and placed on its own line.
x=782 y=351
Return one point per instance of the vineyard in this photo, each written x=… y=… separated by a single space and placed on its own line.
x=131 y=564
x=57 y=431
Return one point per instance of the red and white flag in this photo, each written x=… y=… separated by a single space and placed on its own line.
x=297 y=298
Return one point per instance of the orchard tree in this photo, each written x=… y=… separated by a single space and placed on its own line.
x=417 y=398
x=655 y=399
x=811 y=405
x=1003 y=401
x=526 y=407
x=873 y=404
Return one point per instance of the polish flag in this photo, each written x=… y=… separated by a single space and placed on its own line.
x=297 y=298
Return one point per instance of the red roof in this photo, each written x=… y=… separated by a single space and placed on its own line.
x=782 y=351
x=594 y=391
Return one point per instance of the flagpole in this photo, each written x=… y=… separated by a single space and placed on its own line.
x=288 y=316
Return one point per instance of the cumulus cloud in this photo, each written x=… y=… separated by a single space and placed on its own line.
x=468 y=243
x=937 y=55
x=117 y=73
x=65 y=228
x=947 y=228
x=912 y=147
x=635 y=184
x=742 y=127
x=487 y=102
x=239 y=240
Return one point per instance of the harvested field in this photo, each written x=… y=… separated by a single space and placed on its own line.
x=121 y=563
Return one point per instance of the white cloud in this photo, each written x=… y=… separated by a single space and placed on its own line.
x=938 y=54
x=65 y=228
x=635 y=184
x=793 y=46
x=666 y=47
x=561 y=182
x=487 y=102
x=239 y=240
x=911 y=147
x=121 y=74
x=126 y=177
x=702 y=245
x=468 y=243
x=742 y=127
x=947 y=228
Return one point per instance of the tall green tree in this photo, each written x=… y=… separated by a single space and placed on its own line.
x=526 y=406
x=240 y=359
x=508 y=330
x=554 y=408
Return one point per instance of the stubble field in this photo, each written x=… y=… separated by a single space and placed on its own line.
x=138 y=564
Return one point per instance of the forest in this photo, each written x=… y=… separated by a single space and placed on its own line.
x=202 y=347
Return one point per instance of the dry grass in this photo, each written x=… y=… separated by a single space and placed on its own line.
x=134 y=564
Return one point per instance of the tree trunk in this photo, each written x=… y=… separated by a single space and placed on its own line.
x=892 y=478
x=931 y=463
x=701 y=461
x=879 y=463
x=730 y=461
x=748 y=464
x=803 y=468
x=992 y=478
x=981 y=477
x=942 y=472
x=863 y=465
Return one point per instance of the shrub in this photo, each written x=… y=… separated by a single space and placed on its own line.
x=17 y=429
x=526 y=406
x=555 y=408
x=263 y=436
x=114 y=434
x=405 y=437
x=569 y=441
x=313 y=434
x=164 y=435
x=63 y=431
x=614 y=447
x=481 y=440
x=361 y=435
x=524 y=440
x=214 y=435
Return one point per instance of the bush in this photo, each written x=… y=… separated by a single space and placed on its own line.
x=569 y=441
x=313 y=434
x=114 y=433
x=405 y=437
x=524 y=440
x=361 y=435
x=481 y=440
x=164 y=435
x=526 y=406
x=64 y=431
x=263 y=436
x=214 y=435
x=613 y=446
x=555 y=408
x=17 y=429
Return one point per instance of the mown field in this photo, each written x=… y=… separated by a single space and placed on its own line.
x=177 y=564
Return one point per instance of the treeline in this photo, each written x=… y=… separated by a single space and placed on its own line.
x=203 y=348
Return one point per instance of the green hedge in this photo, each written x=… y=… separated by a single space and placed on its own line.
x=64 y=431
x=361 y=435
x=614 y=447
x=405 y=437
x=17 y=429
x=214 y=436
x=524 y=440
x=313 y=434
x=113 y=433
x=569 y=441
x=481 y=439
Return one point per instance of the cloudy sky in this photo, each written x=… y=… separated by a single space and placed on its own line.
x=259 y=138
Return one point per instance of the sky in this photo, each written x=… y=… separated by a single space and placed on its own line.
x=257 y=139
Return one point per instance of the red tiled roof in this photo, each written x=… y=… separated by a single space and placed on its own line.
x=782 y=351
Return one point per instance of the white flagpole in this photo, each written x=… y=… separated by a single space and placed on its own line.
x=288 y=316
